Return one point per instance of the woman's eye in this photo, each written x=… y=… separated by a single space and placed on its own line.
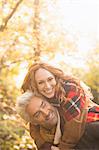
x=50 y=79
x=40 y=82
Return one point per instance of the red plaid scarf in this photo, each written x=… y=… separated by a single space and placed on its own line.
x=93 y=114
x=75 y=101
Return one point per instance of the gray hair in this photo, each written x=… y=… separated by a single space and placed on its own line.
x=21 y=104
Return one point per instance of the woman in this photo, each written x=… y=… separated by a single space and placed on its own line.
x=64 y=92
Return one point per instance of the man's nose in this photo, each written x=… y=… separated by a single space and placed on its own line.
x=44 y=111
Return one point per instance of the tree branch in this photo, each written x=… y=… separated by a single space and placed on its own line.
x=36 y=30
x=3 y=26
x=14 y=62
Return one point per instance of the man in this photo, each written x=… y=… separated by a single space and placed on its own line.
x=52 y=131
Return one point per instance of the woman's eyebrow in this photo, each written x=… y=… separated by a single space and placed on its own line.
x=40 y=80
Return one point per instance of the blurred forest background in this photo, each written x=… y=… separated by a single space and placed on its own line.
x=55 y=31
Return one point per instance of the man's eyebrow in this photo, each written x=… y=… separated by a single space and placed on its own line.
x=37 y=111
x=41 y=104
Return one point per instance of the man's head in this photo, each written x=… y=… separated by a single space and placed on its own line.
x=36 y=110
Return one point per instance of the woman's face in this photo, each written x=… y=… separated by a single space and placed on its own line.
x=46 y=82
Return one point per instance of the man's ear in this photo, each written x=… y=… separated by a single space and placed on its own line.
x=35 y=123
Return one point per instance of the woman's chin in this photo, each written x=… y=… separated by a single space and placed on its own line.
x=49 y=95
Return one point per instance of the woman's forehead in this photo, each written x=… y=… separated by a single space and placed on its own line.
x=41 y=72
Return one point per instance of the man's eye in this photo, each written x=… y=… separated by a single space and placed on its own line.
x=37 y=115
x=43 y=104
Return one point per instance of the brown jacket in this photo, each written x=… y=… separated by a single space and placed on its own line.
x=72 y=132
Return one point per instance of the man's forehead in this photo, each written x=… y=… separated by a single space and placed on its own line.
x=34 y=104
x=35 y=101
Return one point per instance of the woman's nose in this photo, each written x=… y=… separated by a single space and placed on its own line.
x=47 y=85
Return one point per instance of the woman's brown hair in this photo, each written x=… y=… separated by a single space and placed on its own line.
x=29 y=81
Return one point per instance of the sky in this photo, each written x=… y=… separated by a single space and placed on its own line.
x=82 y=14
x=81 y=19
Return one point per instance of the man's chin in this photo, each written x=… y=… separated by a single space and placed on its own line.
x=49 y=126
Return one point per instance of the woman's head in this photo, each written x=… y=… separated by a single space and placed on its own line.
x=42 y=78
x=45 y=82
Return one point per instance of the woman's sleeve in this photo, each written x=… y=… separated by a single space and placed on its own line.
x=87 y=90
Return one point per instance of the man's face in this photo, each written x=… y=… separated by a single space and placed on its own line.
x=42 y=112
